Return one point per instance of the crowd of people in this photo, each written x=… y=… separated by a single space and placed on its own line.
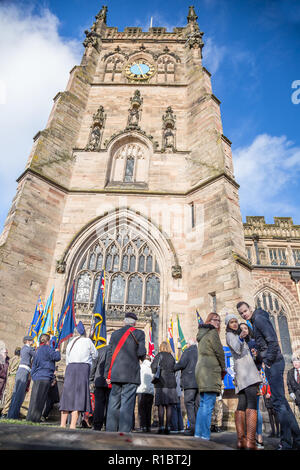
x=120 y=375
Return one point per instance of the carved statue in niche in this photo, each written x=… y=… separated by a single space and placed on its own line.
x=97 y=128
x=135 y=111
x=99 y=116
x=168 y=130
x=168 y=139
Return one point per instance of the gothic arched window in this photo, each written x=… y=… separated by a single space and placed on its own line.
x=132 y=272
x=270 y=302
x=135 y=290
x=117 y=290
x=129 y=163
x=83 y=287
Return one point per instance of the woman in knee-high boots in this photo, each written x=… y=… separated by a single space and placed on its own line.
x=246 y=381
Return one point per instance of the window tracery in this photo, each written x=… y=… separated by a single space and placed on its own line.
x=132 y=272
x=129 y=163
x=269 y=301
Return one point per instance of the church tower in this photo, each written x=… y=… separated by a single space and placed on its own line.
x=132 y=174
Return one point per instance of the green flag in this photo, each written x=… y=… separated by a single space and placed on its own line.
x=180 y=336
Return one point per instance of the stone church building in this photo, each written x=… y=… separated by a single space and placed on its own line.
x=134 y=175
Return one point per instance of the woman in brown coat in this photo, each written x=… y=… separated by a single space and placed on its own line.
x=210 y=370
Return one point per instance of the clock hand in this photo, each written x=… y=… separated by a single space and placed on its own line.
x=138 y=65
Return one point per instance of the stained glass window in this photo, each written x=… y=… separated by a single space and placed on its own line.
x=117 y=289
x=131 y=259
x=99 y=262
x=92 y=263
x=135 y=290
x=152 y=290
x=83 y=288
x=149 y=264
x=142 y=264
x=129 y=169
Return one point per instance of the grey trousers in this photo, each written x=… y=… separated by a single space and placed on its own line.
x=121 y=407
x=191 y=403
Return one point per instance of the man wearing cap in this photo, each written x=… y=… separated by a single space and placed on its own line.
x=22 y=375
x=122 y=372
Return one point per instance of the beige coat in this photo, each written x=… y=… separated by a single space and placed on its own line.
x=245 y=370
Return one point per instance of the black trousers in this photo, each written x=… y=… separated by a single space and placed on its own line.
x=101 y=403
x=145 y=402
x=38 y=400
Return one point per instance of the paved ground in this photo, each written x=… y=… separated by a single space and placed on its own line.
x=20 y=436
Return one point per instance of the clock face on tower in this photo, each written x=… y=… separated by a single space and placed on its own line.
x=139 y=70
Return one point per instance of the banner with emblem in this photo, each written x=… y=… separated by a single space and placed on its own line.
x=99 y=319
x=66 y=322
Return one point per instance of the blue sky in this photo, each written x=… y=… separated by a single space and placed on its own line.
x=251 y=48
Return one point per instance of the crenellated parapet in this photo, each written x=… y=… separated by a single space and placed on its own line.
x=283 y=227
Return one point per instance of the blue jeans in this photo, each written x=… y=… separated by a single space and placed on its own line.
x=203 y=419
x=259 y=426
x=290 y=432
x=121 y=407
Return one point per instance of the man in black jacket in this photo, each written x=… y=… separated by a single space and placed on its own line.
x=268 y=347
x=187 y=364
x=122 y=371
x=293 y=380
x=101 y=390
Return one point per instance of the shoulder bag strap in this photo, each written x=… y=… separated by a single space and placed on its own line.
x=75 y=341
x=117 y=350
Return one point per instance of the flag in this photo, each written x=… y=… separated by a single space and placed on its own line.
x=151 y=351
x=99 y=329
x=181 y=336
x=199 y=319
x=47 y=324
x=66 y=322
x=170 y=336
x=36 y=321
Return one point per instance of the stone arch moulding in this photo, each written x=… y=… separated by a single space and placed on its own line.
x=117 y=219
x=116 y=140
x=283 y=293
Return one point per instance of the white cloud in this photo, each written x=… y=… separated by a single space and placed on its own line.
x=213 y=55
x=268 y=171
x=35 y=66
